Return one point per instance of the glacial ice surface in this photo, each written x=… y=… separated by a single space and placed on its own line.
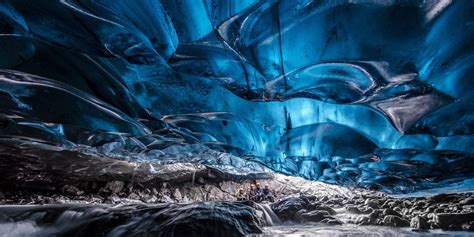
x=367 y=93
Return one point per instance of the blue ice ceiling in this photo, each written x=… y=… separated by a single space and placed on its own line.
x=370 y=93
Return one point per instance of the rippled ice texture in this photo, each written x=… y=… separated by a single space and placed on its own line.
x=376 y=94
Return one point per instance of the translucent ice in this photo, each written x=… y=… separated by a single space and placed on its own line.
x=370 y=93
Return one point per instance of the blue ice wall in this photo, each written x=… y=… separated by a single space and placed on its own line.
x=347 y=92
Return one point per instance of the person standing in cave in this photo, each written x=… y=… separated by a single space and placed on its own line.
x=252 y=193
x=241 y=195
x=258 y=192
x=267 y=194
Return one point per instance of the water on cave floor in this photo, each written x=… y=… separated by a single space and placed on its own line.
x=299 y=230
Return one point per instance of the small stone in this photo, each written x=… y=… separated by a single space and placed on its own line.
x=430 y=209
x=70 y=189
x=93 y=185
x=468 y=207
x=364 y=220
x=421 y=204
x=468 y=226
x=134 y=196
x=150 y=199
x=439 y=210
x=112 y=199
x=177 y=194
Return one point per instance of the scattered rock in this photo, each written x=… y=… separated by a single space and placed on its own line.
x=468 y=207
x=215 y=194
x=112 y=199
x=468 y=226
x=114 y=186
x=133 y=196
x=356 y=210
x=71 y=189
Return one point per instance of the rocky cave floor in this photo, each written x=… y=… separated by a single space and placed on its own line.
x=298 y=201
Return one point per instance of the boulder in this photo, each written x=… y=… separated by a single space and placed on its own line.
x=419 y=223
x=298 y=214
x=315 y=216
x=453 y=220
x=467 y=201
x=286 y=209
x=331 y=221
x=313 y=207
x=390 y=211
x=373 y=203
x=395 y=221
x=421 y=204
x=358 y=210
x=375 y=214
x=364 y=220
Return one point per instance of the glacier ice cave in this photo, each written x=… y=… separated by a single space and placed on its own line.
x=144 y=117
